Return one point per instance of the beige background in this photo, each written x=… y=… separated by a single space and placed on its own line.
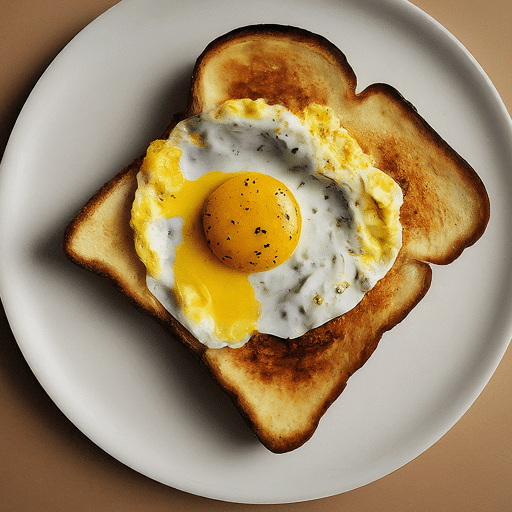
x=46 y=464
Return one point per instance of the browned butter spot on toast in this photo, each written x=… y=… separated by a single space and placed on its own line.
x=273 y=78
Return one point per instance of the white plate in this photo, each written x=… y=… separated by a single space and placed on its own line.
x=118 y=377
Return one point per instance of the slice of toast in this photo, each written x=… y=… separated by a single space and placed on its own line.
x=283 y=387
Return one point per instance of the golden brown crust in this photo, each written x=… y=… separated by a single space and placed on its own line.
x=314 y=368
x=281 y=387
x=277 y=75
x=438 y=200
x=100 y=240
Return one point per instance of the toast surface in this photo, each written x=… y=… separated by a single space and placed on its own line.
x=283 y=387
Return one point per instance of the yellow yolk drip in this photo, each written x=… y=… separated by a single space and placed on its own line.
x=204 y=286
x=252 y=222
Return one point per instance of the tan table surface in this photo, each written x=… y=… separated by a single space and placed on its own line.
x=46 y=464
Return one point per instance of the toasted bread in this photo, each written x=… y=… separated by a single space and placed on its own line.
x=283 y=387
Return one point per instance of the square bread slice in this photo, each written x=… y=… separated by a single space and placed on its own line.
x=283 y=387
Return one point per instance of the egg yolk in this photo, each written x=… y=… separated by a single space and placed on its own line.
x=206 y=289
x=252 y=222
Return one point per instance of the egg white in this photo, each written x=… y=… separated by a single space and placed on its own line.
x=325 y=276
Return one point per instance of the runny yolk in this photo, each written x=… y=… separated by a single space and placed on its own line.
x=252 y=222
x=206 y=289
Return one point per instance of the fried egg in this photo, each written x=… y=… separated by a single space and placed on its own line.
x=250 y=218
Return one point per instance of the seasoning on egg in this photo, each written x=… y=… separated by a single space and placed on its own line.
x=318 y=299
x=340 y=288
x=217 y=222
x=267 y=220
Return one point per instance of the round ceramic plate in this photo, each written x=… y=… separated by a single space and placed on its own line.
x=136 y=392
